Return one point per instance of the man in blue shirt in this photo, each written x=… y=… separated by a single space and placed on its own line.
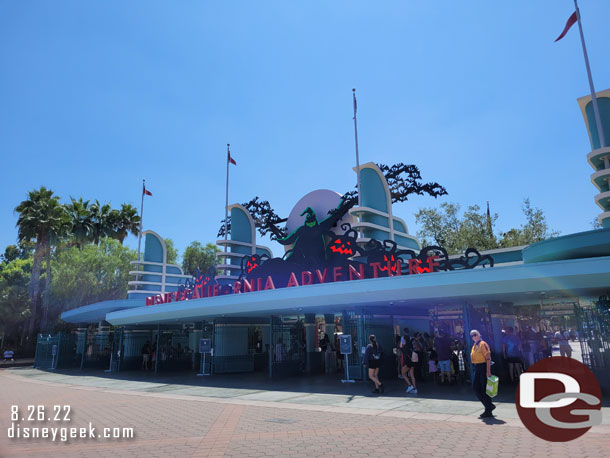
x=442 y=344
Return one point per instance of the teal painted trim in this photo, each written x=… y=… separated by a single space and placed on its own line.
x=152 y=268
x=588 y=244
x=373 y=190
x=261 y=251
x=595 y=159
x=602 y=183
x=241 y=229
x=606 y=223
x=374 y=233
x=603 y=103
x=406 y=242
x=240 y=249
x=173 y=270
x=398 y=226
x=155 y=287
x=94 y=313
x=375 y=219
x=515 y=255
x=153 y=249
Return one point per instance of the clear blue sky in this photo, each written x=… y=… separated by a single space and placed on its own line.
x=95 y=96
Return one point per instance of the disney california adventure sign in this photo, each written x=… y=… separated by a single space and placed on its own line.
x=321 y=256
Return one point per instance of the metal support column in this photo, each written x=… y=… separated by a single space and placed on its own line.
x=271 y=346
x=158 y=349
x=310 y=340
x=82 y=357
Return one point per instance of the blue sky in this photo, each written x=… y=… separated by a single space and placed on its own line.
x=95 y=96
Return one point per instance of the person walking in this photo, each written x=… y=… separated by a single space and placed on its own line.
x=418 y=348
x=145 y=355
x=406 y=365
x=443 y=353
x=372 y=358
x=511 y=348
x=480 y=357
x=564 y=345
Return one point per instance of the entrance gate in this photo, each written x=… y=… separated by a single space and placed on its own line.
x=594 y=336
x=352 y=325
x=360 y=327
x=288 y=348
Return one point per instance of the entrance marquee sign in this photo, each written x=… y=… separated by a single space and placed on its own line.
x=318 y=256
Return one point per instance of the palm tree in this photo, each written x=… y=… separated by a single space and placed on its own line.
x=101 y=221
x=127 y=221
x=82 y=222
x=43 y=219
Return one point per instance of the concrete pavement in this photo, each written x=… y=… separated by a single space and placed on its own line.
x=194 y=416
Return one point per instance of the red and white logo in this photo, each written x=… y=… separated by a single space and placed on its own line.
x=559 y=399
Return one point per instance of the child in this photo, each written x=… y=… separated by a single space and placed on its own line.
x=433 y=364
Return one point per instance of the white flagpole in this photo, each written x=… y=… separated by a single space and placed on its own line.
x=227 y=198
x=141 y=226
x=141 y=219
x=357 y=155
x=598 y=121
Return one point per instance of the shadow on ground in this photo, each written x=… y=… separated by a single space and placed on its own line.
x=254 y=382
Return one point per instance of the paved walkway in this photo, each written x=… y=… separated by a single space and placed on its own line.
x=202 y=419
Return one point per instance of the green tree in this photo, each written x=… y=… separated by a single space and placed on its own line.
x=101 y=221
x=11 y=252
x=595 y=224
x=91 y=274
x=534 y=230
x=82 y=221
x=440 y=226
x=14 y=297
x=172 y=253
x=124 y=222
x=445 y=226
x=197 y=256
x=43 y=219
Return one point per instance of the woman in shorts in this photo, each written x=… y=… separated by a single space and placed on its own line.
x=407 y=367
x=372 y=358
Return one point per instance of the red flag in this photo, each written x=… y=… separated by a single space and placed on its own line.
x=571 y=20
x=230 y=159
x=146 y=191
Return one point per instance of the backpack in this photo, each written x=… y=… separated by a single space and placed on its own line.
x=377 y=352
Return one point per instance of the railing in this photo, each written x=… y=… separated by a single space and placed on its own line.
x=164 y=274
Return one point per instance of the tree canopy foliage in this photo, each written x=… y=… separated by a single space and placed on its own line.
x=445 y=226
x=14 y=294
x=198 y=257
x=172 y=253
x=46 y=228
x=91 y=274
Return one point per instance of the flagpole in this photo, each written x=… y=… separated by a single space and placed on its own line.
x=598 y=122
x=227 y=197
x=141 y=219
x=141 y=226
x=357 y=155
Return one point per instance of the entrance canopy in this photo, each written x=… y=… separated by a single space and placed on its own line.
x=513 y=283
x=97 y=312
